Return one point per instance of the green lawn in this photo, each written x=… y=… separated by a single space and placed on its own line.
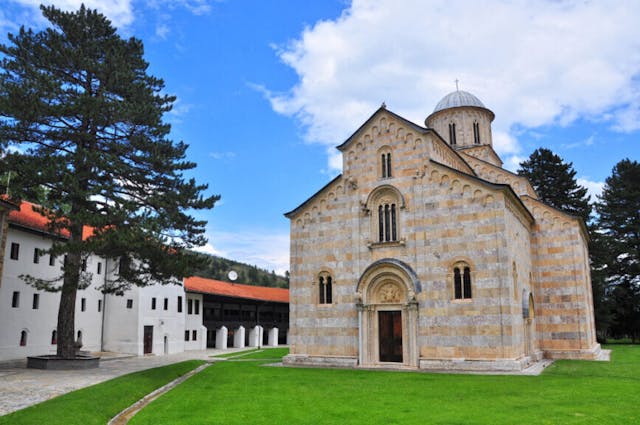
x=99 y=403
x=243 y=392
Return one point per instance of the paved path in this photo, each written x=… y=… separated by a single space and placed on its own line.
x=21 y=387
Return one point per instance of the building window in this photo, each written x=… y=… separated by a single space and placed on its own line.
x=99 y=268
x=153 y=303
x=476 y=133
x=23 y=338
x=129 y=303
x=462 y=281
x=166 y=303
x=385 y=161
x=186 y=335
x=54 y=337
x=36 y=255
x=79 y=338
x=179 y=304
x=194 y=335
x=52 y=260
x=197 y=307
x=99 y=306
x=15 y=299
x=325 y=289
x=387 y=223
x=189 y=306
x=452 y=133
x=123 y=265
x=83 y=304
x=84 y=265
x=15 y=250
x=36 y=301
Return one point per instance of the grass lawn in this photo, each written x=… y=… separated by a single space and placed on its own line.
x=99 y=403
x=243 y=392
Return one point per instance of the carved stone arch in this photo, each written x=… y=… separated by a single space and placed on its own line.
x=388 y=268
x=382 y=190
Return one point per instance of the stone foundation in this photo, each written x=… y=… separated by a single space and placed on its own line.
x=322 y=361
x=57 y=363
x=594 y=353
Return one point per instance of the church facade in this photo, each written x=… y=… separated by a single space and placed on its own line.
x=426 y=254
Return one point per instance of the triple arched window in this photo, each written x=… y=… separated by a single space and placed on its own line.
x=461 y=281
x=325 y=288
x=387 y=222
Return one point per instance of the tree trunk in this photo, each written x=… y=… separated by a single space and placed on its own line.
x=67 y=310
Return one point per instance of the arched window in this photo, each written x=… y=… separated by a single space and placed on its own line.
x=387 y=222
x=476 y=133
x=461 y=281
x=54 y=337
x=325 y=289
x=23 y=338
x=385 y=162
x=452 y=133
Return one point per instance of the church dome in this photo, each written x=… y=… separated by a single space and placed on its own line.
x=456 y=99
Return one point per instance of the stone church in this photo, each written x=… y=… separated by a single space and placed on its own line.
x=426 y=254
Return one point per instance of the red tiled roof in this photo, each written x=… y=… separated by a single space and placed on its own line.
x=236 y=290
x=33 y=220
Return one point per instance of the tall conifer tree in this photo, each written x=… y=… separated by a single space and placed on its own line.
x=555 y=183
x=81 y=117
x=618 y=219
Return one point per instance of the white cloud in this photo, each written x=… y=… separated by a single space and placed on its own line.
x=259 y=247
x=222 y=155
x=120 y=12
x=593 y=188
x=532 y=63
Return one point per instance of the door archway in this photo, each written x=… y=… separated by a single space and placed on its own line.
x=388 y=315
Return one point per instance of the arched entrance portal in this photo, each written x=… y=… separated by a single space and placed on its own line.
x=388 y=315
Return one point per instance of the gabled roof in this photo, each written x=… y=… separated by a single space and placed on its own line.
x=380 y=110
x=302 y=205
x=28 y=218
x=235 y=290
x=492 y=152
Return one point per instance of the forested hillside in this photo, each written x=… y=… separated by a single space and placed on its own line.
x=218 y=268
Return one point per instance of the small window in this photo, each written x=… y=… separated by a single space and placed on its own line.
x=83 y=304
x=79 y=337
x=84 y=265
x=15 y=299
x=186 y=335
x=194 y=335
x=179 y=304
x=129 y=303
x=99 y=306
x=52 y=260
x=153 y=303
x=189 y=306
x=123 y=265
x=452 y=133
x=197 y=307
x=54 y=337
x=36 y=256
x=15 y=250
x=476 y=133
x=36 y=301
x=462 y=281
x=23 y=338
x=325 y=287
x=99 y=268
x=166 y=303
x=385 y=161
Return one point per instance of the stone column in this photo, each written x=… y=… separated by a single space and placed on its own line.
x=255 y=336
x=221 y=338
x=273 y=337
x=238 y=337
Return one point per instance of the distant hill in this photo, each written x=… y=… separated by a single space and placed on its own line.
x=218 y=268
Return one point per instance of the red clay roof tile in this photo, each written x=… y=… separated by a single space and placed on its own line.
x=236 y=290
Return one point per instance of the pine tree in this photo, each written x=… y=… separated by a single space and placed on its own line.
x=555 y=183
x=618 y=209
x=81 y=118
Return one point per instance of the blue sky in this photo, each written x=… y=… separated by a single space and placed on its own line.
x=267 y=89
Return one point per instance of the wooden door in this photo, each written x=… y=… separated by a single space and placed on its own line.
x=390 y=336
x=148 y=339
